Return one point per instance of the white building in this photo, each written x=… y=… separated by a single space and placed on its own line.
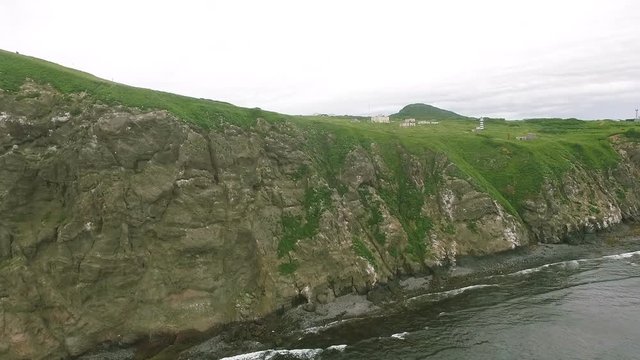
x=481 y=127
x=528 y=137
x=380 y=119
x=425 y=122
x=408 y=123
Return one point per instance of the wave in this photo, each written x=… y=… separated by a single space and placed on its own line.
x=317 y=329
x=337 y=347
x=302 y=354
x=566 y=265
x=569 y=264
x=400 y=336
x=451 y=293
x=622 y=256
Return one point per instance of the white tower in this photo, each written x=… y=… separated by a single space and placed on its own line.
x=481 y=127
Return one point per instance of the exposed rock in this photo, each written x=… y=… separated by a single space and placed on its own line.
x=117 y=223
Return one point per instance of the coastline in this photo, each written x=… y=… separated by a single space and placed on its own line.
x=285 y=328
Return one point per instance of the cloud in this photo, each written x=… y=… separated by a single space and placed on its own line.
x=496 y=57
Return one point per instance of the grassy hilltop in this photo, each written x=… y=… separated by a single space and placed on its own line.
x=426 y=112
x=509 y=169
x=14 y=69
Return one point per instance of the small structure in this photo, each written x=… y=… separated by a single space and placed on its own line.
x=408 y=123
x=424 y=122
x=528 y=137
x=481 y=127
x=381 y=119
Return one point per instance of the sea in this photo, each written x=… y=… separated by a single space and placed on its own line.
x=586 y=308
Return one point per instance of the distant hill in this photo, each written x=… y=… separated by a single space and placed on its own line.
x=424 y=111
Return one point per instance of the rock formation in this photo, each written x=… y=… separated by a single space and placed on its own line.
x=117 y=223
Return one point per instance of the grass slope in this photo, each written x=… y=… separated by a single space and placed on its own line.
x=15 y=69
x=426 y=112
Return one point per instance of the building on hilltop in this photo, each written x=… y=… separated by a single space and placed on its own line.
x=408 y=123
x=528 y=137
x=425 y=122
x=382 y=119
x=481 y=127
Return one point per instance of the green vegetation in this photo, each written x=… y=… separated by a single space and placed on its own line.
x=494 y=161
x=426 y=112
x=375 y=217
x=288 y=268
x=417 y=226
x=316 y=201
x=448 y=228
x=472 y=226
x=363 y=251
x=632 y=134
x=15 y=69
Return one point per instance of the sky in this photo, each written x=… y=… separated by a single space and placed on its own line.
x=499 y=58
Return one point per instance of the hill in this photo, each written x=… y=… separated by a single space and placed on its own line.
x=15 y=69
x=427 y=112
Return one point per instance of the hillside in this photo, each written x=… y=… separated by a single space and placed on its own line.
x=133 y=218
x=426 y=112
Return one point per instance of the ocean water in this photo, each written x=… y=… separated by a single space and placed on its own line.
x=579 y=309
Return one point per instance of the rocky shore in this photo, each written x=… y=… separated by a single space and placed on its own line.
x=286 y=328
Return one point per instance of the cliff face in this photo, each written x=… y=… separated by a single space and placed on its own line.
x=117 y=223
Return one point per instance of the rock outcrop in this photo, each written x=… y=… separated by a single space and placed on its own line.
x=118 y=223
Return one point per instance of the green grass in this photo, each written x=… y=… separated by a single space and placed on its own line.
x=288 y=268
x=363 y=251
x=632 y=134
x=15 y=69
x=494 y=161
x=295 y=228
x=375 y=218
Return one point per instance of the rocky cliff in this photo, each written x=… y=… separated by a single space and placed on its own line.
x=118 y=223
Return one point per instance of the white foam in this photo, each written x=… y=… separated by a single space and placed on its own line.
x=531 y=270
x=314 y=329
x=569 y=264
x=302 y=354
x=454 y=292
x=466 y=288
x=317 y=329
x=337 y=347
x=622 y=256
x=400 y=336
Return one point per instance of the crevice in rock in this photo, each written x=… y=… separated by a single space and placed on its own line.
x=83 y=256
x=373 y=242
x=215 y=170
x=11 y=245
x=299 y=300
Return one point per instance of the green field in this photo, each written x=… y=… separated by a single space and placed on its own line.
x=14 y=69
x=494 y=160
x=509 y=168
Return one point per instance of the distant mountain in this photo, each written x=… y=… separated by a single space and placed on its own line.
x=424 y=111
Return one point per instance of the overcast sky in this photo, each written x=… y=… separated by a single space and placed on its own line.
x=514 y=59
